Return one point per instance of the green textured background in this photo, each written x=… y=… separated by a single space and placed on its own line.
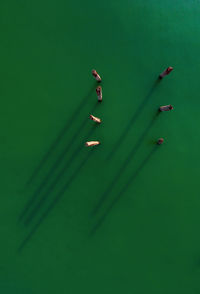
x=122 y=217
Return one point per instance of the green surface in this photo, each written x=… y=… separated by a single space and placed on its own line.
x=122 y=217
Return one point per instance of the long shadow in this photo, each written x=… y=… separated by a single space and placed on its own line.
x=57 y=179
x=53 y=168
x=123 y=190
x=67 y=126
x=55 y=200
x=132 y=121
x=124 y=165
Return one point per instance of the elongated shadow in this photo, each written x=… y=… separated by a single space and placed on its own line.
x=57 y=179
x=55 y=200
x=132 y=121
x=123 y=190
x=123 y=167
x=66 y=128
x=53 y=169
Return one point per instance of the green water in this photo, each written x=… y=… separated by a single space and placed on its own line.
x=122 y=217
